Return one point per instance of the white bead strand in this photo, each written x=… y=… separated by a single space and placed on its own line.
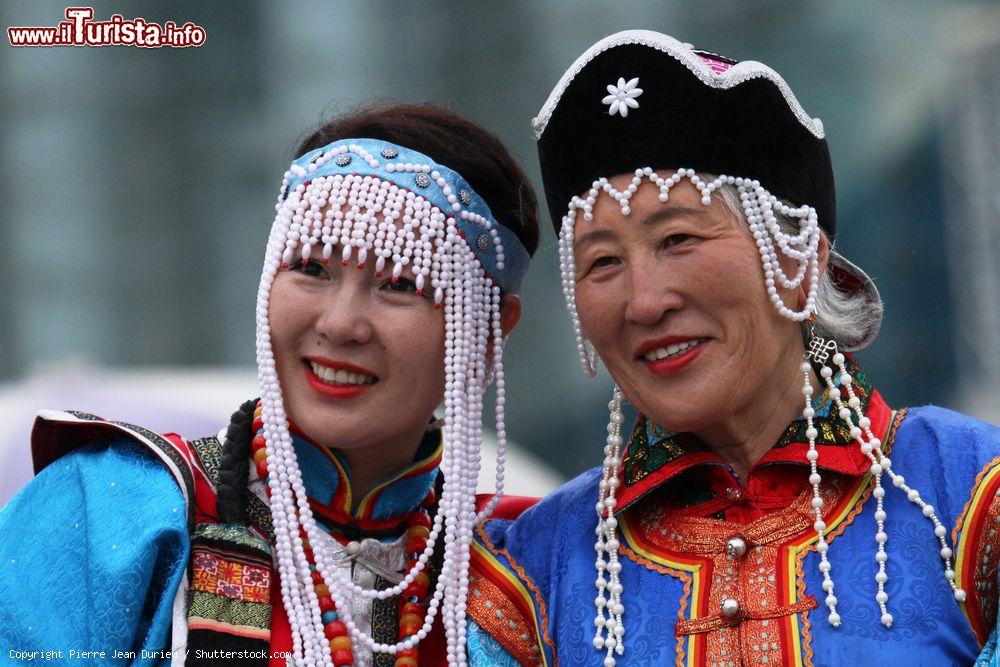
x=884 y=463
x=610 y=630
x=815 y=479
x=866 y=443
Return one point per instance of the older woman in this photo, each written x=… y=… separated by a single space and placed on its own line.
x=331 y=521
x=768 y=507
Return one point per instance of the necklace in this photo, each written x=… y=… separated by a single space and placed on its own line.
x=413 y=606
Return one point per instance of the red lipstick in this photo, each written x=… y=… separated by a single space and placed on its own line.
x=337 y=390
x=673 y=364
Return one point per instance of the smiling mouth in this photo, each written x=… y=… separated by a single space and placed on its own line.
x=339 y=376
x=672 y=350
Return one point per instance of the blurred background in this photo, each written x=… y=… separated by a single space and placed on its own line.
x=138 y=189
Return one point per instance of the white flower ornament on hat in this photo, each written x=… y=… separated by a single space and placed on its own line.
x=622 y=96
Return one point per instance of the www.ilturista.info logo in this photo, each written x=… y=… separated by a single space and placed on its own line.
x=80 y=30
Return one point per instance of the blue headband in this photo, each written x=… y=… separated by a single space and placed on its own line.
x=419 y=174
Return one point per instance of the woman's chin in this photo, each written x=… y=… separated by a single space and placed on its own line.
x=683 y=416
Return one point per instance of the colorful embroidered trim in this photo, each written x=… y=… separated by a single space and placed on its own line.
x=694 y=547
x=977 y=536
x=514 y=588
x=654 y=455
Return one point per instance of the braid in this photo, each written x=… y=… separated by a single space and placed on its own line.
x=235 y=465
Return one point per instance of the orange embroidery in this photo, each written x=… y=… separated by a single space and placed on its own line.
x=800 y=592
x=755 y=638
x=539 y=601
x=230 y=579
x=493 y=610
x=960 y=524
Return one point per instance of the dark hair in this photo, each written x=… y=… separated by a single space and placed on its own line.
x=231 y=496
x=457 y=143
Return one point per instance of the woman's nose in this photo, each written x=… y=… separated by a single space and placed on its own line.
x=345 y=315
x=649 y=293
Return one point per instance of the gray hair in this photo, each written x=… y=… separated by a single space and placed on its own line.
x=839 y=314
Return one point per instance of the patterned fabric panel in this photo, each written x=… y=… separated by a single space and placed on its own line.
x=485 y=651
x=221 y=614
x=230 y=578
x=231 y=581
x=209 y=454
x=501 y=604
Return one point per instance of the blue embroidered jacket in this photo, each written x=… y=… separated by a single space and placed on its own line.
x=532 y=593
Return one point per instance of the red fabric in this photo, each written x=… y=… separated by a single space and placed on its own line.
x=509 y=507
x=700 y=484
x=281 y=631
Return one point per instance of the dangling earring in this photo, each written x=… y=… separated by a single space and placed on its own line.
x=607 y=542
x=819 y=350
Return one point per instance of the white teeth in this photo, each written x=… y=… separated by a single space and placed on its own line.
x=331 y=376
x=671 y=350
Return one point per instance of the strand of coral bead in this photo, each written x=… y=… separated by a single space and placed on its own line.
x=413 y=608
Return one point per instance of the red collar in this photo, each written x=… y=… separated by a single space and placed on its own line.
x=653 y=456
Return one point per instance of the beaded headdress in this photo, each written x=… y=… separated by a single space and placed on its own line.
x=365 y=200
x=638 y=101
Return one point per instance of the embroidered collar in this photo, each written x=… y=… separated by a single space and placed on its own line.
x=653 y=455
x=384 y=509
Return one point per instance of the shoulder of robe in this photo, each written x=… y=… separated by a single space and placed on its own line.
x=57 y=433
x=962 y=456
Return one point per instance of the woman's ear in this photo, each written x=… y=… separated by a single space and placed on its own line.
x=510 y=313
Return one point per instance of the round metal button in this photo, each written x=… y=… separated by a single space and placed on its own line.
x=729 y=608
x=352 y=548
x=736 y=547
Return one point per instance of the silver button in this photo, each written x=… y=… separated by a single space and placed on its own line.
x=465 y=197
x=483 y=241
x=729 y=608
x=422 y=179
x=342 y=160
x=736 y=547
x=389 y=153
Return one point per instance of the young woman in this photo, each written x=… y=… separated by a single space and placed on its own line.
x=331 y=520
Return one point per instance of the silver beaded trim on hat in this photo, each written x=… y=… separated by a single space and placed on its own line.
x=734 y=76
